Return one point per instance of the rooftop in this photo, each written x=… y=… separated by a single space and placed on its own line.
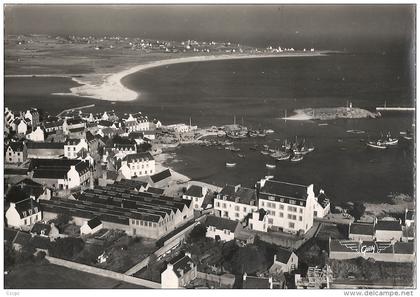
x=161 y=176
x=285 y=189
x=362 y=228
x=388 y=226
x=221 y=223
x=239 y=194
x=194 y=191
x=253 y=282
x=139 y=157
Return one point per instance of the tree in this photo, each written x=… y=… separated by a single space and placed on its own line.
x=357 y=210
x=199 y=232
x=66 y=248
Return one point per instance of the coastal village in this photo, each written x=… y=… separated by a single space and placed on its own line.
x=91 y=192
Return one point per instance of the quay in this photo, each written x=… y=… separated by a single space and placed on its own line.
x=76 y=108
x=384 y=108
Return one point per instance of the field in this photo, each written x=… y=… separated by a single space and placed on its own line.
x=48 y=276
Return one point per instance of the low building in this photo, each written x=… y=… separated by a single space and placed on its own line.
x=32 y=189
x=45 y=150
x=235 y=202
x=73 y=146
x=289 y=206
x=60 y=174
x=135 y=165
x=15 y=153
x=385 y=251
x=196 y=194
x=23 y=214
x=222 y=229
x=388 y=230
x=361 y=231
x=253 y=282
x=179 y=272
x=90 y=227
x=161 y=179
x=45 y=230
x=136 y=213
x=36 y=135
x=284 y=261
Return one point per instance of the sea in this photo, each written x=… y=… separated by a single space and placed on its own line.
x=259 y=93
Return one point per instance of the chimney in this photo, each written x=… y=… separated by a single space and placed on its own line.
x=12 y=204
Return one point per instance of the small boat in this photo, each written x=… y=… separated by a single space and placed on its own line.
x=269 y=131
x=253 y=148
x=323 y=124
x=228 y=143
x=355 y=131
x=261 y=134
x=377 y=145
x=253 y=134
x=241 y=155
x=230 y=164
x=408 y=137
x=270 y=166
x=265 y=152
x=391 y=141
x=283 y=158
x=296 y=158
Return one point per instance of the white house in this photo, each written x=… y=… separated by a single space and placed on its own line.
x=196 y=194
x=9 y=117
x=15 y=152
x=221 y=229
x=388 y=230
x=179 y=272
x=290 y=207
x=23 y=214
x=92 y=226
x=73 y=123
x=259 y=221
x=284 y=261
x=21 y=127
x=235 y=202
x=73 y=146
x=33 y=116
x=36 y=135
x=140 y=164
x=322 y=205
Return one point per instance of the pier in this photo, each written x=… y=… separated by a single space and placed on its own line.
x=384 y=108
x=76 y=108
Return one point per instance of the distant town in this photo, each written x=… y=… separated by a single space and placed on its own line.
x=90 y=192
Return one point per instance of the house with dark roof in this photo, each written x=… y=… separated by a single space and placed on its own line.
x=60 y=174
x=73 y=123
x=136 y=213
x=285 y=260
x=235 y=202
x=34 y=189
x=45 y=150
x=73 y=146
x=53 y=125
x=155 y=191
x=23 y=214
x=221 y=229
x=289 y=206
x=135 y=165
x=388 y=230
x=361 y=231
x=254 y=282
x=92 y=226
x=161 y=179
x=15 y=152
x=131 y=184
x=179 y=272
x=196 y=194
x=322 y=207
x=21 y=239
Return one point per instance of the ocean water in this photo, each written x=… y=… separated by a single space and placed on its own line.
x=259 y=92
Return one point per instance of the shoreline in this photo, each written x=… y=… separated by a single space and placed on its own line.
x=109 y=87
x=330 y=113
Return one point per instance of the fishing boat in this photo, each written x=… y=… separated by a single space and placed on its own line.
x=296 y=158
x=235 y=149
x=265 y=152
x=261 y=133
x=241 y=155
x=376 y=145
x=253 y=133
x=230 y=164
x=269 y=131
x=389 y=140
x=286 y=156
x=270 y=166
x=355 y=131
x=323 y=124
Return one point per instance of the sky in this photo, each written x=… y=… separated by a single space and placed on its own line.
x=336 y=27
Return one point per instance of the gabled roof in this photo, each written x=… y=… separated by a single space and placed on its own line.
x=253 y=282
x=45 y=145
x=362 y=228
x=283 y=255
x=139 y=157
x=181 y=263
x=194 y=191
x=23 y=207
x=38 y=228
x=323 y=200
x=22 y=238
x=74 y=121
x=56 y=168
x=16 y=146
x=130 y=184
x=93 y=223
x=16 y=194
x=285 y=189
x=221 y=223
x=239 y=194
x=71 y=141
x=388 y=226
x=161 y=176
x=155 y=191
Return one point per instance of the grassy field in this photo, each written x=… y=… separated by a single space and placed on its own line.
x=48 y=276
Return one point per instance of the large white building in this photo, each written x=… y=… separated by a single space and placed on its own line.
x=235 y=202
x=289 y=207
x=73 y=146
x=196 y=194
x=23 y=213
x=134 y=165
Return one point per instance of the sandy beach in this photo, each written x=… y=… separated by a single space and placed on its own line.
x=109 y=87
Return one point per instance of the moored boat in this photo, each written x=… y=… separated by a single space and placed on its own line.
x=376 y=145
x=270 y=166
x=265 y=152
x=296 y=158
x=230 y=164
